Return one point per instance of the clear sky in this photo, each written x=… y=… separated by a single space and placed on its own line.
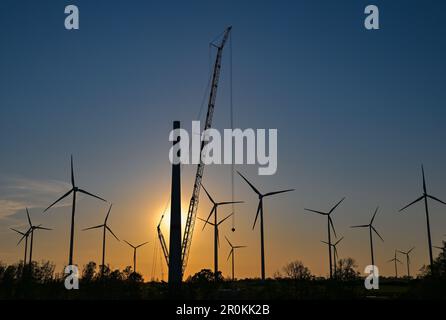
x=357 y=112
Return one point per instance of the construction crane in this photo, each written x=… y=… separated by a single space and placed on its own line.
x=193 y=204
x=163 y=241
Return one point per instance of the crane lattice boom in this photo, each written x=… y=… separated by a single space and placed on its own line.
x=193 y=204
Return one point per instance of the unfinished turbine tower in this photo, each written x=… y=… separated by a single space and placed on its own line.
x=175 y=265
x=178 y=253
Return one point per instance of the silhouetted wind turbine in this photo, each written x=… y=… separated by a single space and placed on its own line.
x=32 y=228
x=329 y=223
x=371 y=228
x=216 y=224
x=216 y=240
x=73 y=190
x=424 y=197
x=25 y=236
x=335 y=249
x=260 y=211
x=232 y=253
x=134 y=252
x=395 y=260
x=105 y=228
x=407 y=259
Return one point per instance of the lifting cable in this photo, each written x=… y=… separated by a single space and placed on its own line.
x=231 y=106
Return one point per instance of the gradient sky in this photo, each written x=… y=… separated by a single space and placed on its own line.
x=357 y=113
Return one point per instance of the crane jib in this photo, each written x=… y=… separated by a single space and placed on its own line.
x=193 y=204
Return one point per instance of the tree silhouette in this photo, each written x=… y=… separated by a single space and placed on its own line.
x=297 y=271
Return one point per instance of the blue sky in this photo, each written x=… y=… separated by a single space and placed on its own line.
x=357 y=112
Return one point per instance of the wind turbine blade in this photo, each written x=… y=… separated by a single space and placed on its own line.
x=436 y=247
x=337 y=242
x=374 y=215
x=410 y=250
x=205 y=221
x=413 y=202
x=72 y=172
x=42 y=228
x=325 y=242
x=391 y=260
x=142 y=244
x=108 y=213
x=250 y=184
x=221 y=221
x=95 y=227
x=399 y=261
x=424 y=179
x=19 y=232
x=436 y=199
x=210 y=214
x=64 y=196
x=402 y=252
x=257 y=214
x=230 y=244
x=230 y=252
x=361 y=226
x=229 y=202
x=129 y=244
x=238 y=247
x=29 y=219
x=114 y=235
x=209 y=196
x=315 y=211
x=91 y=195
x=277 y=192
x=332 y=226
x=21 y=239
x=377 y=233
x=336 y=205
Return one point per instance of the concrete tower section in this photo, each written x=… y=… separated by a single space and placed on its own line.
x=175 y=263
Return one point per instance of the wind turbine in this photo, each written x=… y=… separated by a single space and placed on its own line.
x=407 y=259
x=216 y=224
x=73 y=190
x=134 y=252
x=216 y=240
x=395 y=260
x=31 y=230
x=105 y=228
x=25 y=236
x=329 y=224
x=335 y=249
x=260 y=211
x=232 y=253
x=371 y=228
x=424 y=197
